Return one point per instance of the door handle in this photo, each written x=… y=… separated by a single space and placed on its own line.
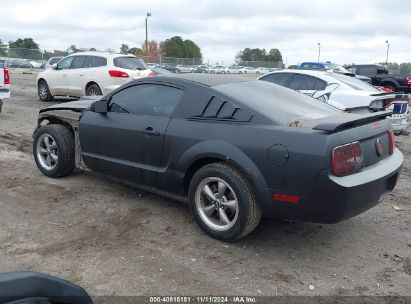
x=151 y=131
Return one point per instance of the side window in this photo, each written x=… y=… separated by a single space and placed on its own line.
x=320 y=85
x=277 y=78
x=65 y=63
x=365 y=71
x=78 y=62
x=96 y=61
x=302 y=82
x=146 y=99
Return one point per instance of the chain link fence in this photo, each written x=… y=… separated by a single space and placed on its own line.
x=33 y=58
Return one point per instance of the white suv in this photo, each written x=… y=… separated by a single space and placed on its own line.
x=90 y=73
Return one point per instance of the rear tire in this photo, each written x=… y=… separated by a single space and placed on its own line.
x=93 y=90
x=43 y=91
x=240 y=212
x=54 y=151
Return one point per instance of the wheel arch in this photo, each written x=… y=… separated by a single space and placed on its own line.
x=91 y=82
x=201 y=155
x=389 y=81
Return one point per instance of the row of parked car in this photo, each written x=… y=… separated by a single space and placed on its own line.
x=216 y=69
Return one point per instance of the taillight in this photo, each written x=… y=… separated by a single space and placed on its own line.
x=114 y=73
x=6 y=76
x=347 y=159
x=391 y=137
x=151 y=74
x=408 y=80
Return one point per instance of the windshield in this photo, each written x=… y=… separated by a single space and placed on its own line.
x=130 y=63
x=354 y=83
x=276 y=102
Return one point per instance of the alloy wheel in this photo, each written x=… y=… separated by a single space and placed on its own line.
x=216 y=203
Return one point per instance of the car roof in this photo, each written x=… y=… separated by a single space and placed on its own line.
x=317 y=73
x=204 y=79
x=104 y=54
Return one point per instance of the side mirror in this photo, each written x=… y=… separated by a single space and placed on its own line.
x=100 y=106
x=54 y=66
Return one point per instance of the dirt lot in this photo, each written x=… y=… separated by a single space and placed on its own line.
x=115 y=240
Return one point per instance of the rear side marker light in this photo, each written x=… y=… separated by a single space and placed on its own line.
x=286 y=198
x=347 y=159
x=119 y=74
x=6 y=76
x=391 y=138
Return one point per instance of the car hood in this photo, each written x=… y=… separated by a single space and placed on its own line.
x=78 y=105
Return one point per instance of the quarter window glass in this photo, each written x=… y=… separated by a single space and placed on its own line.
x=65 y=63
x=302 y=82
x=277 y=78
x=96 y=61
x=78 y=62
x=146 y=99
x=320 y=85
x=130 y=63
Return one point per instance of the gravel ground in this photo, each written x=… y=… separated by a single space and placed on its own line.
x=115 y=240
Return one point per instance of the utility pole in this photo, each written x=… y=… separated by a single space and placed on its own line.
x=388 y=49
x=148 y=15
x=319 y=51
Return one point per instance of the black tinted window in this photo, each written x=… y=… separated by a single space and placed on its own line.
x=146 y=99
x=365 y=71
x=78 y=62
x=277 y=78
x=320 y=85
x=96 y=61
x=302 y=82
x=130 y=63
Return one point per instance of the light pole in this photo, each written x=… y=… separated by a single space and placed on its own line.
x=388 y=49
x=148 y=15
x=319 y=51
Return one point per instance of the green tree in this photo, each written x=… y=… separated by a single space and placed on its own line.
x=124 y=48
x=135 y=51
x=177 y=47
x=25 y=48
x=257 y=54
x=3 y=50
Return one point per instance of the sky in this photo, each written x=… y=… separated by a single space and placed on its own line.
x=349 y=31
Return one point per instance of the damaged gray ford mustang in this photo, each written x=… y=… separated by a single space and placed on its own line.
x=234 y=149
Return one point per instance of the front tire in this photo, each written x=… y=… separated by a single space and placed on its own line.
x=43 y=91
x=223 y=203
x=53 y=150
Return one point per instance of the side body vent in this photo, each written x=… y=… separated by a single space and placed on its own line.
x=223 y=110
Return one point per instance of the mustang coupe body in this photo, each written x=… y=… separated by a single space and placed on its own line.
x=232 y=148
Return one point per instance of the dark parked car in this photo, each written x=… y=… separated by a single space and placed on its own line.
x=380 y=76
x=234 y=149
x=169 y=67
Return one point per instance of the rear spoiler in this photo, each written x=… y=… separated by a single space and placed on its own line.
x=345 y=121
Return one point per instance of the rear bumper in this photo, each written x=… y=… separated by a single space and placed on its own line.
x=4 y=93
x=334 y=199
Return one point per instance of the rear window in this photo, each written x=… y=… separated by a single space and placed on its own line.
x=130 y=63
x=277 y=78
x=275 y=102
